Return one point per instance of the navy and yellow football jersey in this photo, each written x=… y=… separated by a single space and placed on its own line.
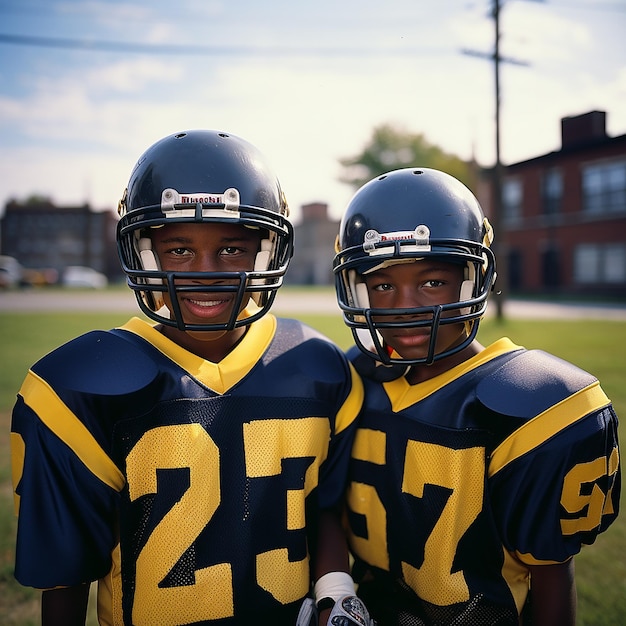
x=188 y=488
x=459 y=483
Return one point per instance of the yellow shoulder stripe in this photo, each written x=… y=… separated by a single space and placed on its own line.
x=547 y=424
x=351 y=407
x=222 y=376
x=51 y=410
x=402 y=395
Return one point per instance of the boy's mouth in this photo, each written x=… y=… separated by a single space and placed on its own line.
x=208 y=306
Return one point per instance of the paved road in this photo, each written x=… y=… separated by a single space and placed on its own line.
x=286 y=302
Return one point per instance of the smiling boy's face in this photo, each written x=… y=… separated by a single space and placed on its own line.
x=423 y=283
x=209 y=248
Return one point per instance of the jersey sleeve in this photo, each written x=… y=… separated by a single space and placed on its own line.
x=555 y=482
x=66 y=486
x=63 y=538
x=334 y=471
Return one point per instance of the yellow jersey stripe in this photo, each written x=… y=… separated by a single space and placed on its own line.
x=351 y=407
x=547 y=424
x=222 y=376
x=403 y=395
x=51 y=410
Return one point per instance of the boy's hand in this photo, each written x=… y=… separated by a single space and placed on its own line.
x=349 y=611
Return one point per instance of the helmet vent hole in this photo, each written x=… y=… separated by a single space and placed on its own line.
x=418 y=172
x=180 y=135
x=382 y=177
x=225 y=135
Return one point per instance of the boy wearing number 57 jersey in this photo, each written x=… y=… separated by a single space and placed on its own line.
x=190 y=465
x=477 y=473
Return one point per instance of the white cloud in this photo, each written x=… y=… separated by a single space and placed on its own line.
x=77 y=135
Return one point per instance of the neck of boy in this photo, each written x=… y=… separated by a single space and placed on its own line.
x=422 y=372
x=211 y=345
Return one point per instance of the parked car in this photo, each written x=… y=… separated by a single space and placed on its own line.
x=39 y=277
x=80 y=276
x=10 y=272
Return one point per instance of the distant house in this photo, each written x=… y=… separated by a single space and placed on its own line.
x=314 y=247
x=41 y=235
x=563 y=220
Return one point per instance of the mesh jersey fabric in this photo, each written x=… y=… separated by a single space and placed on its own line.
x=459 y=483
x=198 y=482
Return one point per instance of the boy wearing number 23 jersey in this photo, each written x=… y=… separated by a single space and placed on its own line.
x=190 y=466
x=477 y=473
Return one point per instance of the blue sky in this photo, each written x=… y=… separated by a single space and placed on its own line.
x=87 y=85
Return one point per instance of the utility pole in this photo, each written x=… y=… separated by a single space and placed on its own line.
x=496 y=216
x=498 y=246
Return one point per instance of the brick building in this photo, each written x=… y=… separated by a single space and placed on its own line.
x=562 y=226
x=41 y=235
x=314 y=247
x=563 y=218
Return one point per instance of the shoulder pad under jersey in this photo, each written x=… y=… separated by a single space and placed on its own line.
x=100 y=363
x=530 y=383
x=294 y=339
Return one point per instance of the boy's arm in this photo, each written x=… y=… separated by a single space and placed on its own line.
x=332 y=547
x=332 y=552
x=331 y=566
x=553 y=594
x=66 y=606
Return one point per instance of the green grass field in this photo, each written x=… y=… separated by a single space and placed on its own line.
x=597 y=346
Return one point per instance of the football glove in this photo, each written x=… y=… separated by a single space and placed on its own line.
x=348 y=611
x=308 y=613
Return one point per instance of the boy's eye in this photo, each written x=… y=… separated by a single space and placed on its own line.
x=382 y=287
x=179 y=251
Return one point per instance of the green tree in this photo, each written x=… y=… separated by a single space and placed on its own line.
x=392 y=148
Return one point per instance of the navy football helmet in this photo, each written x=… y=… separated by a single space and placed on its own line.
x=199 y=177
x=404 y=215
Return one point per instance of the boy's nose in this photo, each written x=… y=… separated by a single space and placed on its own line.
x=409 y=298
x=205 y=263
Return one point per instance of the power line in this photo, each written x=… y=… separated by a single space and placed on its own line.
x=139 y=48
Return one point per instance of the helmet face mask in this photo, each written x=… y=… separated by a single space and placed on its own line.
x=203 y=177
x=406 y=216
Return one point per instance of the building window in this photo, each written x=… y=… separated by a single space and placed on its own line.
x=512 y=198
x=604 y=188
x=614 y=263
x=597 y=263
x=550 y=268
x=551 y=192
